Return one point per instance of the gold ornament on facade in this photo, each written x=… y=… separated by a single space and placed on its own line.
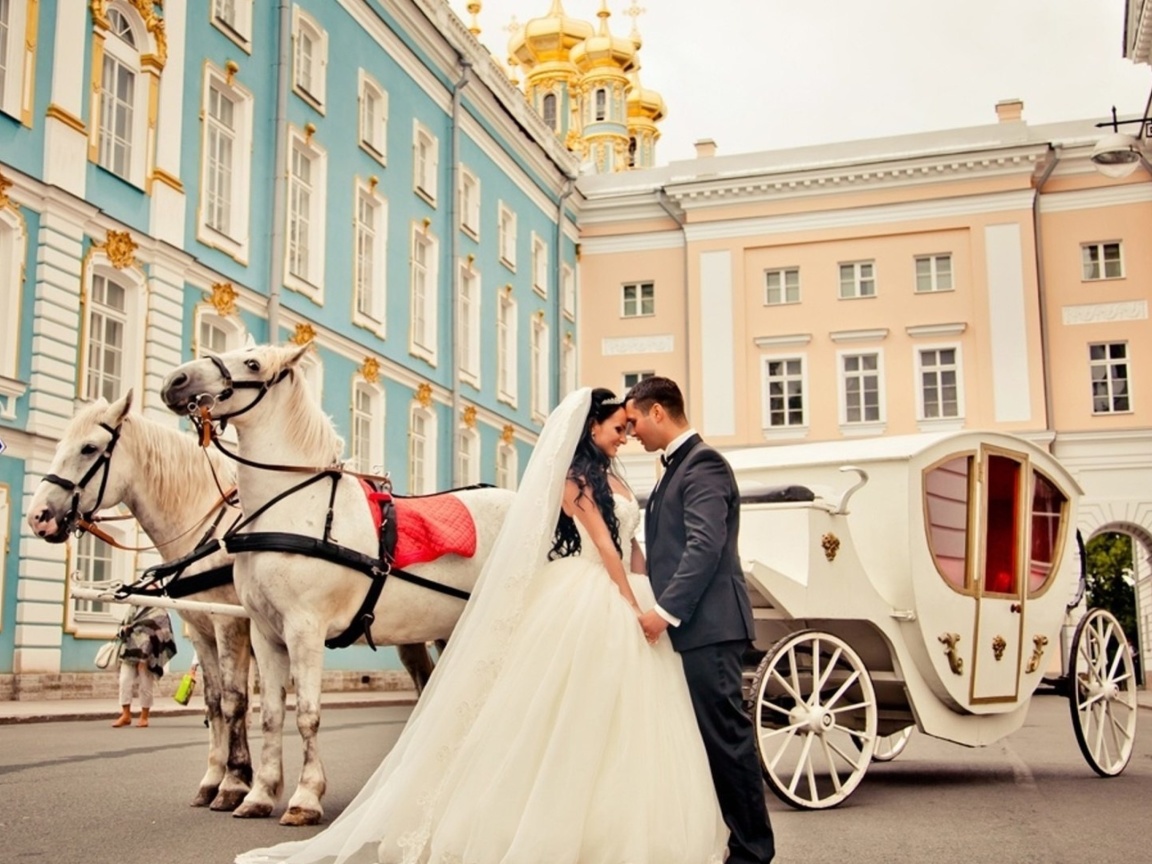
x=507 y=434
x=230 y=70
x=370 y=370
x=120 y=249
x=223 y=298
x=424 y=395
x=998 y=646
x=153 y=23
x=5 y=185
x=303 y=334
x=469 y=416
x=831 y=545
x=474 y=10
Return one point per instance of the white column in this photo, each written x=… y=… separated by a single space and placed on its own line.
x=716 y=391
x=168 y=208
x=164 y=338
x=1011 y=394
x=65 y=145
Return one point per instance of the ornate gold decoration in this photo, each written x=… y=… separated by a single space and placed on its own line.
x=424 y=395
x=427 y=225
x=230 y=70
x=303 y=334
x=370 y=370
x=373 y=182
x=153 y=23
x=831 y=545
x=998 y=646
x=507 y=434
x=1038 y=643
x=507 y=290
x=474 y=10
x=309 y=131
x=67 y=118
x=120 y=249
x=955 y=661
x=469 y=416
x=5 y=185
x=224 y=298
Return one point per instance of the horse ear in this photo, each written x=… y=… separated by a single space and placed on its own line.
x=249 y=341
x=297 y=355
x=119 y=409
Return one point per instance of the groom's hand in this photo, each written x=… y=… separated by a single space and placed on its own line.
x=652 y=625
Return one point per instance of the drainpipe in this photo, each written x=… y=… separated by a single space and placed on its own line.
x=454 y=307
x=279 y=169
x=1054 y=157
x=662 y=200
x=558 y=340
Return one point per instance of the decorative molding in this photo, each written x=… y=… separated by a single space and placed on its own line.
x=875 y=334
x=424 y=395
x=162 y=176
x=5 y=185
x=120 y=249
x=782 y=341
x=67 y=118
x=153 y=23
x=664 y=344
x=469 y=416
x=641 y=242
x=507 y=434
x=223 y=298
x=370 y=370
x=1105 y=313
x=1089 y=199
x=936 y=330
x=303 y=334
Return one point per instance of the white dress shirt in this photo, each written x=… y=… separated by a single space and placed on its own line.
x=672 y=447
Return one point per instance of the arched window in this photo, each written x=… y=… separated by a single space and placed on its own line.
x=367 y=440
x=506 y=469
x=550 y=112
x=467 y=457
x=421 y=451
x=121 y=94
x=601 y=104
x=216 y=334
x=112 y=350
x=13 y=251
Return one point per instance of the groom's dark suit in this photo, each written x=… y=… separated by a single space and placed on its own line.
x=691 y=526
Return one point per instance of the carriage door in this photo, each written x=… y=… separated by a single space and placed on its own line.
x=999 y=578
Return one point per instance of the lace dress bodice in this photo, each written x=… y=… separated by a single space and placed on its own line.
x=628 y=514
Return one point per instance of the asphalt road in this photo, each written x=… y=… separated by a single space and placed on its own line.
x=83 y=793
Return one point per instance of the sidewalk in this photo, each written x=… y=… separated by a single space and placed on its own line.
x=53 y=710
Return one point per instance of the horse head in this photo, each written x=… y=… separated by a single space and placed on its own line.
x=84 y=477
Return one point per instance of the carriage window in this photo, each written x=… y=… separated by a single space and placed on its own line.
x=1047 y=508
x=1000 y=562
x=946 y=491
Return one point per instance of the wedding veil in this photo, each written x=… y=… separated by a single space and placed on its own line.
x=394 y=809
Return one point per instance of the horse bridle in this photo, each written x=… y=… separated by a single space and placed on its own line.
x=104 y=460
x=203 y=403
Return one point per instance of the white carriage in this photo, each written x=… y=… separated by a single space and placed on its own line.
x=926 y=583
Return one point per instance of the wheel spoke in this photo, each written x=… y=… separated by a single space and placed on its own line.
x=783 y=749
x=855 y=706
x=767 y=704
x=800 y=766
x=793 y=692
x=832 y=764
x=848 y=682
x=847 y=757
x=831 y=667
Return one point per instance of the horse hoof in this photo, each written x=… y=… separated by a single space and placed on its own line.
x=204 y=796
x=299 y=816
x=229 y=799
x=253 y=811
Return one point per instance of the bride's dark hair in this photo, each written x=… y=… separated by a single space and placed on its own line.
x=589 y=469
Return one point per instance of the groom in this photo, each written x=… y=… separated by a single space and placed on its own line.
x=690 y=528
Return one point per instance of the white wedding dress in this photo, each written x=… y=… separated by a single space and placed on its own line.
x=581 y=746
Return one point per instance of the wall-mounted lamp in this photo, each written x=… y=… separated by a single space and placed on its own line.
x=1117 y=155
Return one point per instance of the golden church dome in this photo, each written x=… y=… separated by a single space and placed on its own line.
x=643 y=102
x=548 y=39
x=604 y=49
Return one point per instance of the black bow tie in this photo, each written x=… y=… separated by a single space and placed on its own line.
x=665 y=460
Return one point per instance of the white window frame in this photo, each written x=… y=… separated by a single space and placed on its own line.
x=539 y=265
x=506 y=344
x=118 y=51
x=424 y=447
x=229 y=326
x=424 y=293
x=366 y=428
x=568 y=365
x=239 y=29
x=467 y=457
x=426 y=169
x=631 y=379
x=506 y=236
x=600 y=105
x=13 y=92
x=1107 y=363
x=312 y=90
x=787 y=428
x=373 y=131
x=13 y=254
x=469 y=340
x=540 y=366
x=235 y=241
x=931 y=282
x=782 y=274
x=859 y=280
x=553 y=122
x=133 y=319
x=925 y=422
x=1098 y=251
x=469 y=203
x=568 y=292
x=371 y=313
x=507 y=465
x=81 y=619
x=633 y=307
x=311 y=283
x=864 y=425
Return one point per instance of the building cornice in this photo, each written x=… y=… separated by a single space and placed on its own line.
x=874 y=334
x=788 y=340
x=1102 y=196
x=640 y=242
x=936 y=330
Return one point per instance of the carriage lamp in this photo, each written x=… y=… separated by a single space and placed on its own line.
x=1116 y=155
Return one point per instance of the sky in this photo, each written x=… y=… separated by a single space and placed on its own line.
x=768 y=74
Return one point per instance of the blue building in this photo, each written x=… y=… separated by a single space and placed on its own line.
x=176 y=178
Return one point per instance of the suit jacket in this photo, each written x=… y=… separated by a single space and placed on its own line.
x=691 y=528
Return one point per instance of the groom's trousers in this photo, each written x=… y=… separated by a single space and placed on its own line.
x=715 y=676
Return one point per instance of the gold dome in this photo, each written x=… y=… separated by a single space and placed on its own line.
x=604 y=49
x=548 y=39
x=643 y=102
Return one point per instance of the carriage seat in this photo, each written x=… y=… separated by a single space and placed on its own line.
x=760 y=494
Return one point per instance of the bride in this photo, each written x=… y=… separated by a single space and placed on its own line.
x=551 y=730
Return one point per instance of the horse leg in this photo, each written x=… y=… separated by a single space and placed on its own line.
x=418 y=662
x=235 y=654
x=217 y=755
x=272 y=661
x=307 y=652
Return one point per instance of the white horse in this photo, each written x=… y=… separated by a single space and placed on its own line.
x=297 y=601
x=109 y=456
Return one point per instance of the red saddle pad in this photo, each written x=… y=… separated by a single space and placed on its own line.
x=426 y=528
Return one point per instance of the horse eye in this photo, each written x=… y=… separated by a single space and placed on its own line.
x=88 y=449
x=254 y=365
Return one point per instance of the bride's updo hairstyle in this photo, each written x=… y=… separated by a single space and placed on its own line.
x=590 y=471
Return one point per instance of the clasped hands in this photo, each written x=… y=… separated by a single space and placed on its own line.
x=652 y=624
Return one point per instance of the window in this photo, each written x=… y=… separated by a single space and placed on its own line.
x=939 y=383
x=373 y=118
x=568 y=292
x=857 y=279
x=107 y=339
x=367 y=428
x=13 y=252
x=469 y=203
x=781 y=286
x=1109 y=370
x=122 y=103
x=639 y=299
x=234 y=19
x=14 y=49
x=506 y=349
x=506 y=465
x=601 y=104
x=7 y=72
x=469 y=338
x=784 y=392
x=226 y=169
x=632 y=145
x=216 y=334
x=421 y=452
x=933 y=273
x=946 y=494
x=307 y=173
x=568 y=365
x=631 y=379
x=369 y=276
x=549 y=110
x=1101 y=261
x=5 y=540
x=309 y=59
x=507 y=238
x=94 y=563
x=424 y=294
x=539 y=367
x=539 y=266
x=426 y=156
x=1002 y=511
x=861 y=379
x=467 y=458
x=1048 y=508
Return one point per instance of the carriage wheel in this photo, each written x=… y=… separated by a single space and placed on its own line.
x=888 y=747
x=815 y=718
x=1102 y=693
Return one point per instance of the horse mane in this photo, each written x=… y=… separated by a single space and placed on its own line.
x=304 y=422
x=182 y=459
